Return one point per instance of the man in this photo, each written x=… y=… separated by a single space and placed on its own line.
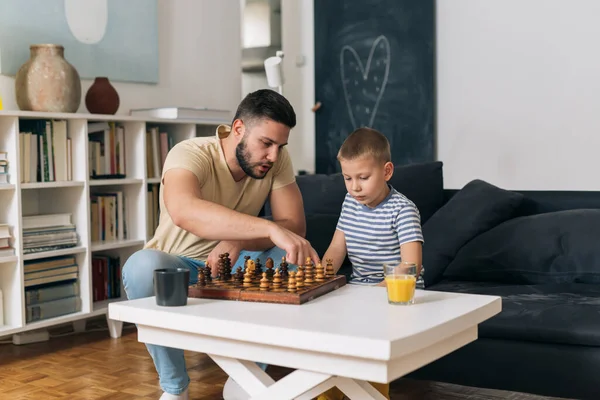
x=211 y=193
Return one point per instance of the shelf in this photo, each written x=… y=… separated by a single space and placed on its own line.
x=104 y=117
x=54 y=321
x=7 y=329
x=8 y=259
x=116 y=244
x=108 y=182
x=100 y=307
x=139 y=199
x=45 y=185
x=54 y=253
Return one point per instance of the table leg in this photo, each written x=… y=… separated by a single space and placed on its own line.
x=298 y=385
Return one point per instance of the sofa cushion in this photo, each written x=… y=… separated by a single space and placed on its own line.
x=422 y=183
x=556 y=247
x=552 y=313
x=476 y=208
x=319 y=230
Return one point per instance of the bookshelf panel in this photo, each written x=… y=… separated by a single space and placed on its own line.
x=9 y=214
x=135 y=157
x=12 y=295
x=77 y=132
x=9 y=136
x=133 y=212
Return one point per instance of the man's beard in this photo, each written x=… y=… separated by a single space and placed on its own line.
x=243 y=158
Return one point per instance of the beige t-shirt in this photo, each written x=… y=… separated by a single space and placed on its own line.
x=204 y=157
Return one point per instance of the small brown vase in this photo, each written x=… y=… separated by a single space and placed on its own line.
x=102 y=97
x=47 y=82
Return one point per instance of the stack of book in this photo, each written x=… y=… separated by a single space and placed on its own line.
x=48 y=232
x=51 y=287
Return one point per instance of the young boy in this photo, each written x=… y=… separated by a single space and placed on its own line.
x=377 y=225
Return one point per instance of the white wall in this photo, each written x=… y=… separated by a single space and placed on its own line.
x=517 y=91
x=200 y=60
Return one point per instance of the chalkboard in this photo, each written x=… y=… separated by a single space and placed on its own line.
x=375 y=66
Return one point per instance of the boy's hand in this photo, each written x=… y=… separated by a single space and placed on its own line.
x=382 y=283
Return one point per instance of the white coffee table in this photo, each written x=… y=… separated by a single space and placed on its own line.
x=345 y=338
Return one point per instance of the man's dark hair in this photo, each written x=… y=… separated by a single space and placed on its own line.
x=266 y=103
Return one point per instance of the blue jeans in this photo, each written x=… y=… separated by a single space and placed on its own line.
x=138 y=280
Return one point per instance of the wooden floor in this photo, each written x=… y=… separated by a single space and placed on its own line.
x=91 y=365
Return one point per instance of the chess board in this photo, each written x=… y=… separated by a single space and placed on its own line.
x=269 y=284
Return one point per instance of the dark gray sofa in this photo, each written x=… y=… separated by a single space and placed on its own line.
x=538 y=250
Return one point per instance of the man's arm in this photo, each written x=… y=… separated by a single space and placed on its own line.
x=205 y=219
x=287 y=209
x=336 y=250
x=208 y=220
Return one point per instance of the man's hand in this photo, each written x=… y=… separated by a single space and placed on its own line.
x=382 y=283
x=296 y=247
x=225 y=246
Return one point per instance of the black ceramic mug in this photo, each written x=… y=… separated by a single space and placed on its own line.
x=171 y=286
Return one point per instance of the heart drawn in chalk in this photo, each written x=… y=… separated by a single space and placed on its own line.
x=364 y=85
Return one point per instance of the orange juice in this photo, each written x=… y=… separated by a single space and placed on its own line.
x=401 y=288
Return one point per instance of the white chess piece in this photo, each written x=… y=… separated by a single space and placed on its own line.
x=87 y=19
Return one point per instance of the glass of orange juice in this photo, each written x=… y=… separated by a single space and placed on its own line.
x=401 y=281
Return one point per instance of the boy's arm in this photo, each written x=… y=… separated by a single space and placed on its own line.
x=336 y=250
x=410 y=236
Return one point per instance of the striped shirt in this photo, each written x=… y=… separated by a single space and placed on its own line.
x=374 y=235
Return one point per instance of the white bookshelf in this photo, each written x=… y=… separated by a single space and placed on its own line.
x=21 y=199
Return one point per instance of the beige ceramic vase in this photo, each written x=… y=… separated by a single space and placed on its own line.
x=47 y=82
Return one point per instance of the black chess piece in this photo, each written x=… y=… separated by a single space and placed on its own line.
x=283 y=268
x=201 y=278
x=258 y=271
x=208 y=274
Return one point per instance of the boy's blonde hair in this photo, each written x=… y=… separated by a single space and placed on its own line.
x=365 y=142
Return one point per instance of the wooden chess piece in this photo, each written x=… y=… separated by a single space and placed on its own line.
x=284 y=268
x=208 y=273
x=258 y=269
x=299 y=277
x=251 y=266
x=329 y=268
x=201 y=278
x=247 y=279
x=320 y=276
x=276 y=279
x=264 y=282
x=239 y=275
x=292 y=282
x=270 y=266
x=308 y=271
